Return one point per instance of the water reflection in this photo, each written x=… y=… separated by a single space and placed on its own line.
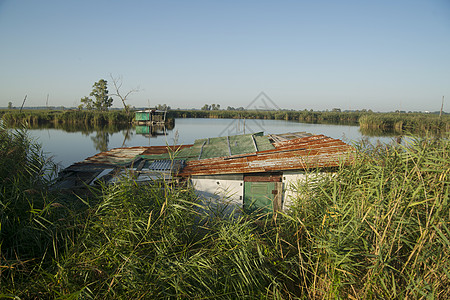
x=100 y=134
x=378 y=132
x=151 y=131
x=84 y=128
x=101 y=140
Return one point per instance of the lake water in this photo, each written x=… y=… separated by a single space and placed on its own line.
x=69 y=147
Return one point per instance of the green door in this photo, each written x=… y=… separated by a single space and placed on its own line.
x=258 y=197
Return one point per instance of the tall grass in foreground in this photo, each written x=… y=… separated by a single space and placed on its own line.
x=379 y=228
x=376 y=229
x=29 y=226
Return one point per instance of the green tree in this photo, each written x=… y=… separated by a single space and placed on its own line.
x=162 y=107
x=9 y=105
x=87 y=103
x=100 y=93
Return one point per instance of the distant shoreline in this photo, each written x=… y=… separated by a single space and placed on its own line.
x=397 y=122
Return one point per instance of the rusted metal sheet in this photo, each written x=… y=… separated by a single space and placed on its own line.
x=115 y=156
x=296 y=154
x=116 y=160
x=154 y=150
x=265 y=177
x=293 y=151
x=126 y=155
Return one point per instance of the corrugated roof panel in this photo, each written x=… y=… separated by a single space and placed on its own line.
x=241 y=144
x=263 y=143
x=217 y=147
x=301 y=153
x=226 y=146
x=166 y=165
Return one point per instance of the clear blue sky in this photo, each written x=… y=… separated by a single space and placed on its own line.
x=379 y=55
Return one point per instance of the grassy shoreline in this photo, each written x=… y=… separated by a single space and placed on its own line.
x=41 y=117
x=394 y=123
x=379 y=228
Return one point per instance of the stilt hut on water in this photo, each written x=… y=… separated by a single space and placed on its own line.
x=150 y=117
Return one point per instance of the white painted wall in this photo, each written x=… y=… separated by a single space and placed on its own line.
x=220 y=191
x=292 y=182
x=295 y=184
x=231 y=192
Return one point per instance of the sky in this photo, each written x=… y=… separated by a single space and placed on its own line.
x=380 y=55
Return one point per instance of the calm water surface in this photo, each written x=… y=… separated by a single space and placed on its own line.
x=69 y=147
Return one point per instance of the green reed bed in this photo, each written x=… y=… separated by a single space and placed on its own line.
x=31 y=228
x=379 y=228
x=409 y=122
x=397 y=123
x=376 y=229
x=153 y=243
x=42 y=117
x=288 y=115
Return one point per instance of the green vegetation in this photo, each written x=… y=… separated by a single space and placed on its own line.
x=412 y=122
x=370 y=123
x=376 y=229
x=395 y=123
x=380 y=228
x=102 y=99
x=41 y=117
x=288 y=115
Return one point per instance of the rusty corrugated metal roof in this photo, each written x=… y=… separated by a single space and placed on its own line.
x=116 y=156
x=239 y=154
x=315 y=151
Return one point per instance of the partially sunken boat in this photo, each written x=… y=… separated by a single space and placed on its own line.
x=252 y=171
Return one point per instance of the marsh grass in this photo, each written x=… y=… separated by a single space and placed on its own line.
x=57 y=117
x=418 y=123
x=376 y=229
x=380 y=228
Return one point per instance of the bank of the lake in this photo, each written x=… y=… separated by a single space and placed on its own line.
x=399 y=122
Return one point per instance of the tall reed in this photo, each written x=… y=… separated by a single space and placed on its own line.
x=42 y=117
x=379 y=228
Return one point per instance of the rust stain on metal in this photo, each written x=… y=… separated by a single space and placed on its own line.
x=127 y=154
x=114 y=156
x=293 y=151
x=310 y=152
x=163 y=149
